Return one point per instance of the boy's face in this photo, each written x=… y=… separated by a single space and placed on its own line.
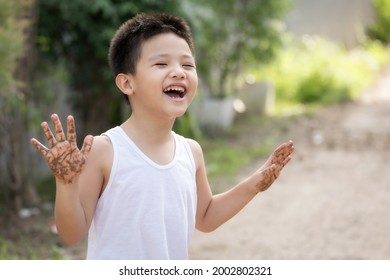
x=166 y=80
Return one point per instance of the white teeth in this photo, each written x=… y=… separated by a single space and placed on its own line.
x=174 y=88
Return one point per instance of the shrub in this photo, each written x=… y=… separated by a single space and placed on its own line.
x=380 y=30
x=321 y=87
x=312 y=70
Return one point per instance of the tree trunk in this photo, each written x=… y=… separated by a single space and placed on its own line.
x=21 y=189
x=96 y=113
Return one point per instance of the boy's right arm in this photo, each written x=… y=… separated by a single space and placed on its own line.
x=78 y=185
x=76 y=202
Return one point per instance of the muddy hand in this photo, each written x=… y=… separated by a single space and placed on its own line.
x=63 y=156
x=281 y=156
x=270 y=171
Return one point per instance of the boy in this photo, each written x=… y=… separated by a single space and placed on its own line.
x=139 y=190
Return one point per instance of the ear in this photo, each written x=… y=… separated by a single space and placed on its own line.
x=124 y=83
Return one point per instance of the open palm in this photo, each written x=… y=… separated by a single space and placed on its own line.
x=270 y=171
x=63 y=156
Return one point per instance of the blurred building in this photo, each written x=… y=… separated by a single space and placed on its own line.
x=343 y=21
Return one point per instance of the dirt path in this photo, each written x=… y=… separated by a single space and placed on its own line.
x=331 y=202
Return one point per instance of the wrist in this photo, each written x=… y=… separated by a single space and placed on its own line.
x=66 y=188
x=250 y=186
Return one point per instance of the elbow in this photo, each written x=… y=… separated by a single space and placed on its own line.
x=70 y=240
x=206 y=228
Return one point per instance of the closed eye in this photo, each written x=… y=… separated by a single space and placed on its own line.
x=160 y=64
x=189 y=66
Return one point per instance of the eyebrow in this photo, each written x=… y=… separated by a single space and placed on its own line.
x=168 y=55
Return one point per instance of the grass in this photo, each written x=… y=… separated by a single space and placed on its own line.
x=230 y=153
x=29 y=239
x=24 y=250
x=225 y=160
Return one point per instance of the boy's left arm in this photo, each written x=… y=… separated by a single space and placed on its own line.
x=213 y=211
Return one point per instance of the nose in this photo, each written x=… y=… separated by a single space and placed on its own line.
x=178 y=72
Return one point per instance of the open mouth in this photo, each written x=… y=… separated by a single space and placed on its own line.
x=175 y=91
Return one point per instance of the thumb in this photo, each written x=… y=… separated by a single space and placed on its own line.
x=87 y=145
x=38 y=145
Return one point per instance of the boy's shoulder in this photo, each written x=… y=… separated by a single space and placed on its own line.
x=196 y=151
x=101 y=149
x=101 y=142
x=193 y=143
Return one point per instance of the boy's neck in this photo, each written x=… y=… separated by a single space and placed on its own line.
x=149 y=130
x=153 y=138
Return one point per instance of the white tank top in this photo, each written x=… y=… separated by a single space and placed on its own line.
x=147 y=211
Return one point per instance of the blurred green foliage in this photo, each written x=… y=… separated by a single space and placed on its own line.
x=15 y=114
x=25 y=250
x=231 y=35
x=312 y=70
x=187 y=126
x=225 y=160
x=380 y=30
x=10 y=32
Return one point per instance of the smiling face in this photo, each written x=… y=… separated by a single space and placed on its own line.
x=165 y=81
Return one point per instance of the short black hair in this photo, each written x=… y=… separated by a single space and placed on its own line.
x=125 y=47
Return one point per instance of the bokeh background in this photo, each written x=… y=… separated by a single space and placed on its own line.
x=316 y=72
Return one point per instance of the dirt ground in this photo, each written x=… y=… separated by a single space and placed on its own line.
x=333 y=199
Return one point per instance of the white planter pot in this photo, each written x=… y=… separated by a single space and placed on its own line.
x=259 y=98
x=213 y=112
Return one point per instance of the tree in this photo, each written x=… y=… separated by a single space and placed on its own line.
x=380 y=30
x=17 y=35
x=77 y=34
x=231 y=35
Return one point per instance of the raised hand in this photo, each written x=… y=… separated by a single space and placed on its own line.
x=63 y=156
x=270 y=171
x=281 y=156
